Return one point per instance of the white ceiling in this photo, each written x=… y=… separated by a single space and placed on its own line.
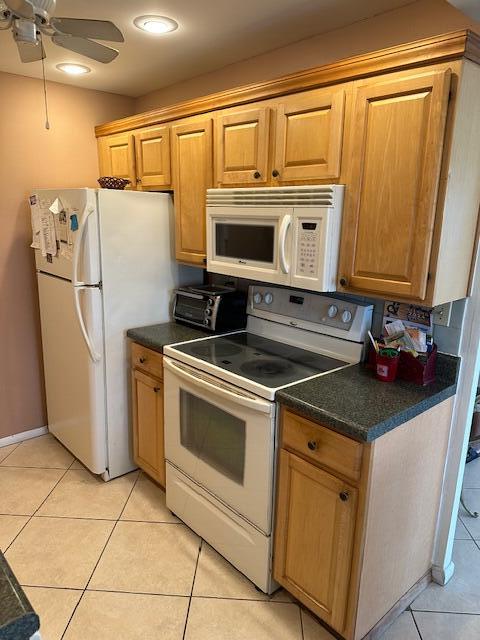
x=212 y=34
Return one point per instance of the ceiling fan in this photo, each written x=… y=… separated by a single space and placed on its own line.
x=32 y=19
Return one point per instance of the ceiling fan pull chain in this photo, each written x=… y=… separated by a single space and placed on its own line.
x=47 y=123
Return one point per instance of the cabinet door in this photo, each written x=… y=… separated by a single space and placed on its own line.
x=192 y=167
x=152 y=152
x=314 y=537
x=241 y=147
x=309 y=136
x=148 y=439
x=396 y=152
x=117 y=156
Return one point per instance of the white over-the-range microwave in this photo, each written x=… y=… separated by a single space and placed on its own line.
x=283 y=235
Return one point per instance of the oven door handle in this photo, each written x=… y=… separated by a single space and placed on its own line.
x=282 y=242
x=201 y=380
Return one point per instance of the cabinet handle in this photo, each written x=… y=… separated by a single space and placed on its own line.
x=156 y=389
x=344 y=496
x=312 y=445
x=142 y=360
x=343 y=282
x=275 y=173
x=257 y=175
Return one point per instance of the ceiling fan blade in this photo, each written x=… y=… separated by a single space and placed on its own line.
x=89 y=48
x=30 y=52
x=96 y=29
x=20 y=8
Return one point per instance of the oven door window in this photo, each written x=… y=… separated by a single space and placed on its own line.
x=213 y=435
x=245 y=241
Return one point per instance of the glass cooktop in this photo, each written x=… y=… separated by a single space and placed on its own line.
x=262 y=360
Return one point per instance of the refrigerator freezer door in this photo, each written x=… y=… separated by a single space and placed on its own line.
x=75 y=385
x=76 y=202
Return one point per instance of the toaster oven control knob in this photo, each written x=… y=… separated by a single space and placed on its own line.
x=258 y=298
x=210 y=302
x=206 y=322
x=346 y=316
x=332 y=311
x=268 y=298
x=208 y=312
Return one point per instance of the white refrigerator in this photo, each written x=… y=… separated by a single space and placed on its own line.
x=107 y=266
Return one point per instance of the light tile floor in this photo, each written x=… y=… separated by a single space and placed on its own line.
x=102 y=561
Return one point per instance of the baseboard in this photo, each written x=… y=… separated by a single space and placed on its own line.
x=25 y=435
x=441 y=575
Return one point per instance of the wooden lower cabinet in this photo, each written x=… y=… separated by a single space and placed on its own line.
x=148 y=435
x=356 y=548
x=315 y=525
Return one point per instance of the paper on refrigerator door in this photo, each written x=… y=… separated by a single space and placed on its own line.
x=35 y=221
x=48 y=236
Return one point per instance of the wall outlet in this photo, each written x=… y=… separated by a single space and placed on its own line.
x=442 y=314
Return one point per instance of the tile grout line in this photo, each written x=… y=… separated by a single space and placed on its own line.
x=416 y=625
x=191 y=590
x=301 y=622
x=450 y=613
x=99 y=558
x=40 y=505
x=9 y=454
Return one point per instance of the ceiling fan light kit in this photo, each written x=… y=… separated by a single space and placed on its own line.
x=156 y=25
x=32 y=19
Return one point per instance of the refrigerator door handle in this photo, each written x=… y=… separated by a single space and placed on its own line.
x=77 y=247
x=83 y=328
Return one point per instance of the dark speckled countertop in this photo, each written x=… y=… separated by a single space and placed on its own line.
x=18 y=620
x=157 y=336
x=353 y=402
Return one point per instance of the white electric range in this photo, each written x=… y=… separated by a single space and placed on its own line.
x=221 y=415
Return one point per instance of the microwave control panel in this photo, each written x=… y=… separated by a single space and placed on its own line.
x=308 y=247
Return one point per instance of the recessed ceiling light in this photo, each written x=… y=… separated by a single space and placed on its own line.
x=73 y=69
x=155 y=24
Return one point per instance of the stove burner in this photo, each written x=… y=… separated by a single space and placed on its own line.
x=210 y=348
x=266 y=368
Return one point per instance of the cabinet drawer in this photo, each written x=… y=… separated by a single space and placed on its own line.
x=321 y=445
x=148 y=360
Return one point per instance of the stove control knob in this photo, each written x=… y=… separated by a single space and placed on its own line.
x=346 y=316
x=258 y=298
x=332 y=311
x=268 y=298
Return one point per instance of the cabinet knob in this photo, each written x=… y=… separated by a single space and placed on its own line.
x=257 y=175
x=312 y=445
x=344 y=496
x=156 y=389
x=139 y=180
x=275 y=173
x=142 y=360
x=343 y=282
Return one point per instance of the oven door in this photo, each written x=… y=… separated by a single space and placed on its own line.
x=223 y=438
x=250 y=242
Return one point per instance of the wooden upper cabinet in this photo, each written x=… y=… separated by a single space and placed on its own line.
x=192 y=162
x=316 y=515
x=152 y=152
x=309 y=132
x=395 y=161
x=241 y=146
x=116 y=156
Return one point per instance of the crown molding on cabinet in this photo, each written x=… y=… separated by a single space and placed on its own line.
x=449 y=46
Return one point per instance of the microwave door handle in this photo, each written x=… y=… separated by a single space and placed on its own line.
x=282 y=241
x=197 y=378
x=77 y=247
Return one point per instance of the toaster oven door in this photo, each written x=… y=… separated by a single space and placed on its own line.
x=190 y=307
